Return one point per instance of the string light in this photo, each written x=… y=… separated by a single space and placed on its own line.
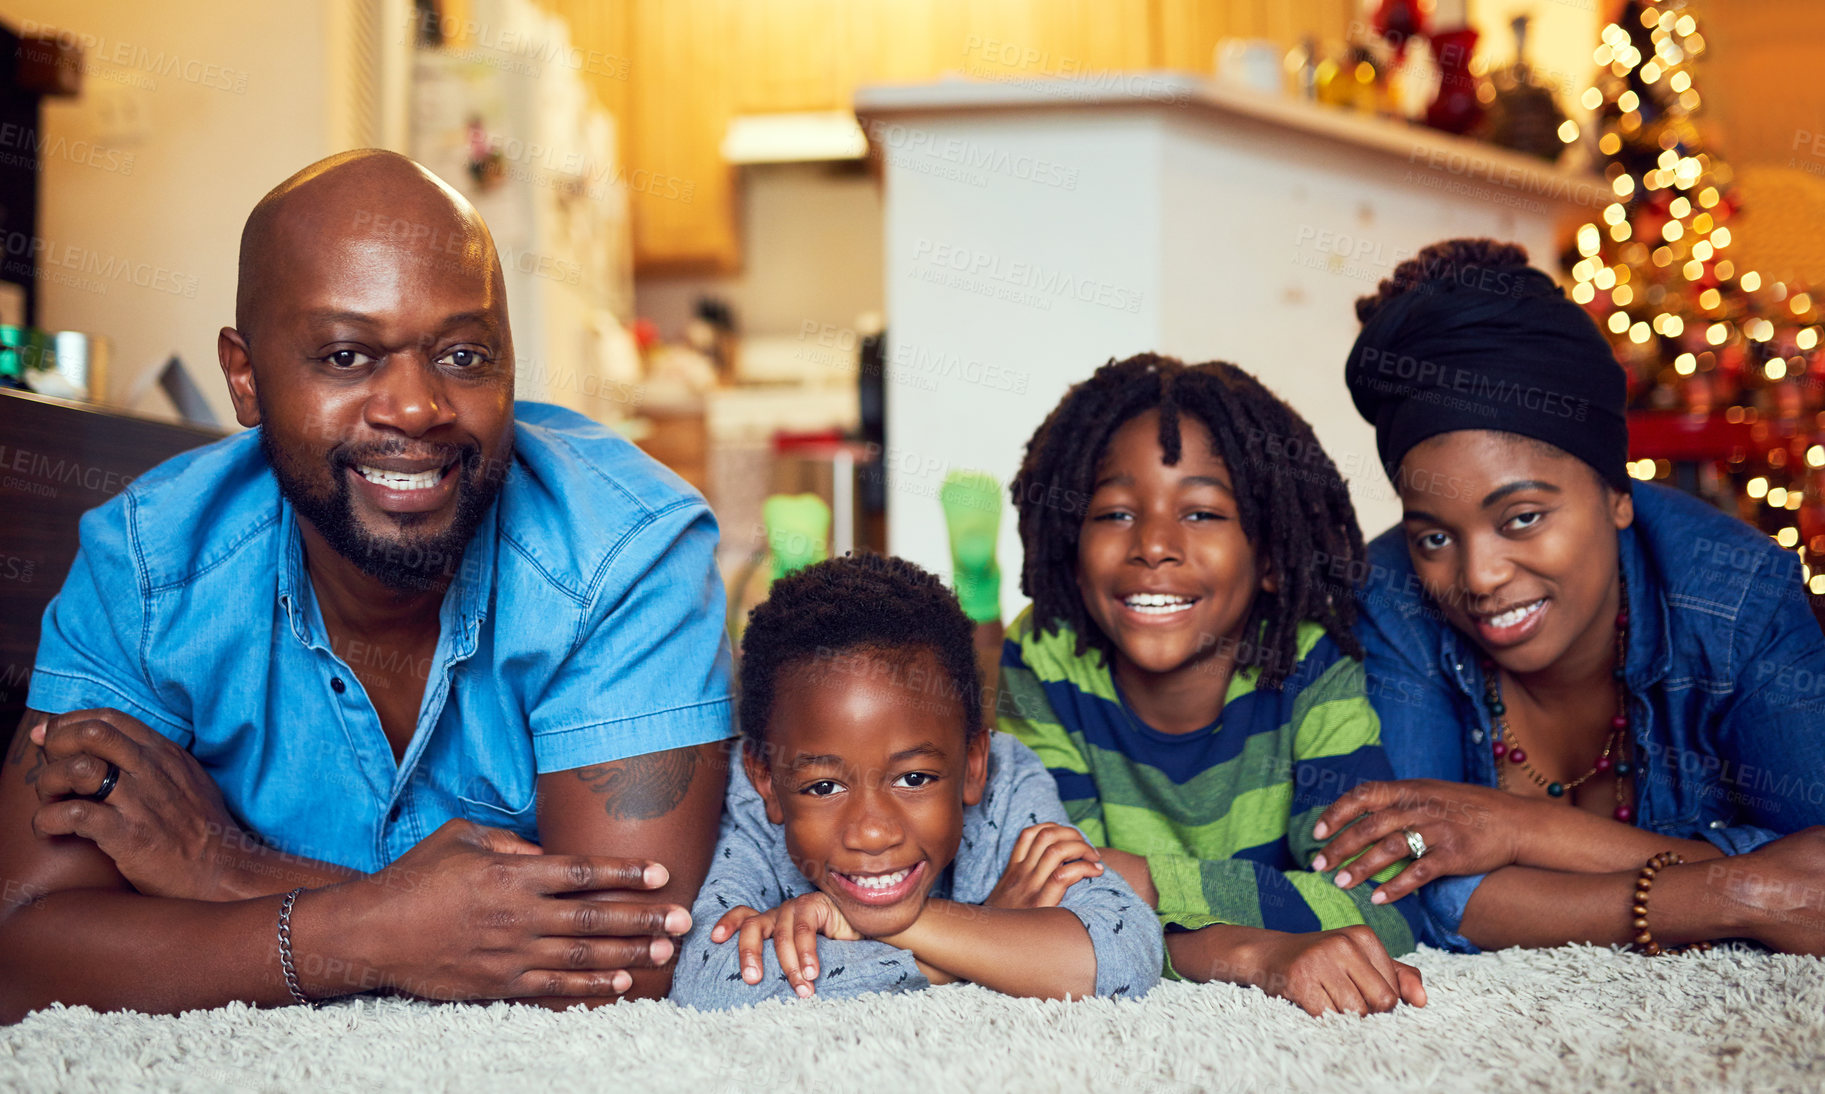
x=1641 y=109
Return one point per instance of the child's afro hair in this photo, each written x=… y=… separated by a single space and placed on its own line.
x=870 y=604
x=1293 y=506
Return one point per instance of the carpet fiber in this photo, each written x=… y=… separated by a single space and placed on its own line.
x=1575 y=1018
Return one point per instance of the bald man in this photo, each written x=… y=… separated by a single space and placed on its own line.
x=407 y=688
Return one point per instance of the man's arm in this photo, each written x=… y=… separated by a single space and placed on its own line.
x=469 y=913
x=72 y=930
x=664 y=806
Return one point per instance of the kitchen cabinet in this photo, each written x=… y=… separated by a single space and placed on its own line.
x=692 y=65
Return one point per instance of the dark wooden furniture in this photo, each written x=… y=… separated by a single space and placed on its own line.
x=58 y=460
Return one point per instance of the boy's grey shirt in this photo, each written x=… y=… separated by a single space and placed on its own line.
x=751 y=867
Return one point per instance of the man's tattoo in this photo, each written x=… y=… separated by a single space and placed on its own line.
x=643 y=787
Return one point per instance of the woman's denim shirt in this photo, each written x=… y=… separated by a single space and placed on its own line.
x=1726 y=683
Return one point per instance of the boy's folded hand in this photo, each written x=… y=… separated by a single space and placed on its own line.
x=794 y=927
x=1047 y=860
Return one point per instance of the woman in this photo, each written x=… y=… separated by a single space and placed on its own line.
x=1574 y=673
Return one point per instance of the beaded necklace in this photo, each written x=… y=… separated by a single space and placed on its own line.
x=1506 y=746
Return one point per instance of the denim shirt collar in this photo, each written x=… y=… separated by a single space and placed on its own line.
x=1649 y=656
x=465 y=603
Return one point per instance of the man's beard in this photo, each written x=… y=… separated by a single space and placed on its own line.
x=408 y=564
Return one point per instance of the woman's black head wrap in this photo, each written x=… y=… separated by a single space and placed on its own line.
x=1490 y=347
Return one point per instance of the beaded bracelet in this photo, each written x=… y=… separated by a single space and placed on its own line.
x=285 y=958
x=1644 y=883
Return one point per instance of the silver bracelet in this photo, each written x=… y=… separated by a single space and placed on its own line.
x=285 y=958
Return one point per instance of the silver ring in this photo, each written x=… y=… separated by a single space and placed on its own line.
x=1416 y=843
x=107 y=784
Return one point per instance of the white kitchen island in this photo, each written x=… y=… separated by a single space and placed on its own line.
x=1036 y=228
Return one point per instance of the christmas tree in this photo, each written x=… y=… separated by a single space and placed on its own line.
x=1729 y=355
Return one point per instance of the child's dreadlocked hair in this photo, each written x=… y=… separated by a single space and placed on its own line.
x=1292 y=504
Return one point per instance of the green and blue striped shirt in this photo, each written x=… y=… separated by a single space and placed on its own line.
x=1223 y=815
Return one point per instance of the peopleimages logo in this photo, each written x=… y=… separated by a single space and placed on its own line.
x=65 y=263
x=1041 y=281
x=137 y=62
x=967 y=156
x=16 y=140
x=1431 y=378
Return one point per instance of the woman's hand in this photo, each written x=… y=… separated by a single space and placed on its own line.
x=1781 y=888
x=794 y=927
x=1047 y=859
x=1468 y=830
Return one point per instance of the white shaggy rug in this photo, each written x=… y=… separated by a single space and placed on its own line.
x=1574 y=1019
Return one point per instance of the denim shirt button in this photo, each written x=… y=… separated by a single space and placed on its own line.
x=393 y=814
x=337 y=686
x=1476 y=735
x=1717 y=824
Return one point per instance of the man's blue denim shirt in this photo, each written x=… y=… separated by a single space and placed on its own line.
x=1726 y=681
x=586 y=625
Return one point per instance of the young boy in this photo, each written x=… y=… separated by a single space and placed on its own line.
x=1189 y=674
x=882 y=838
